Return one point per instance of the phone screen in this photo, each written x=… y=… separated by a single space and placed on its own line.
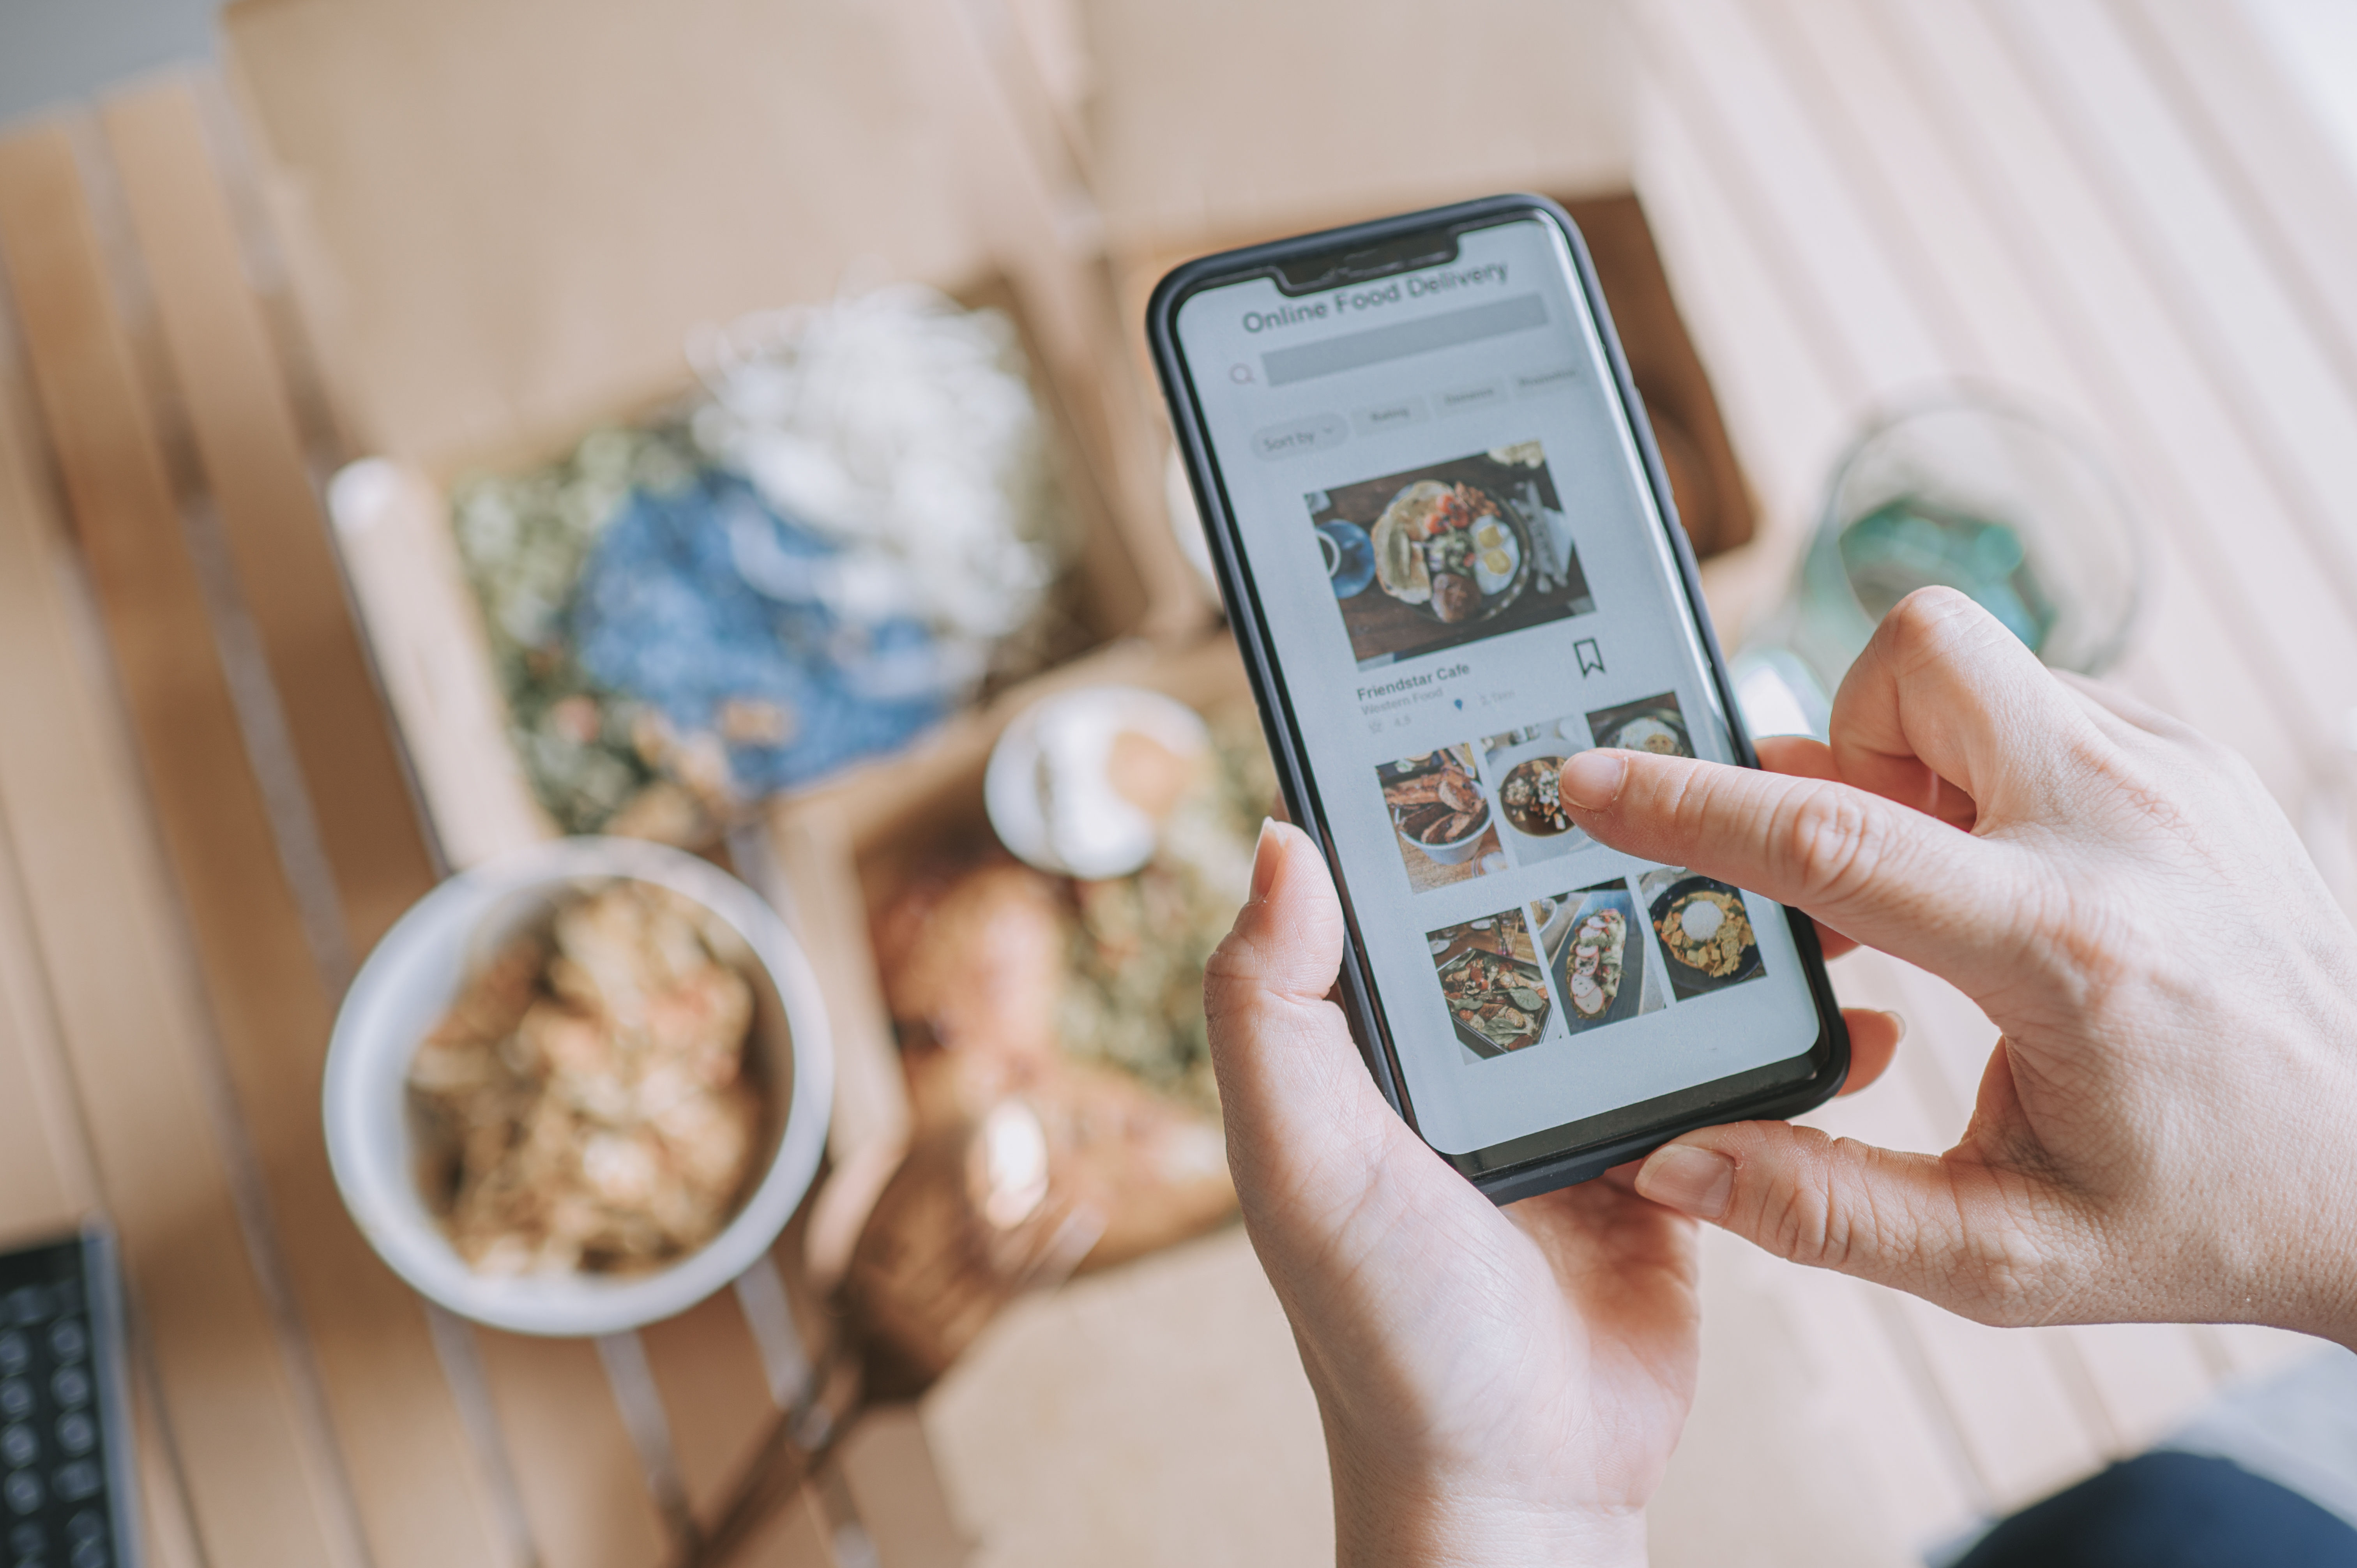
x=1463 y=578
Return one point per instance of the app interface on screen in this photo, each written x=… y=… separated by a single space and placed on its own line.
x=1466 y=581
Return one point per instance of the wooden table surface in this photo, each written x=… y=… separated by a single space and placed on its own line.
x=205 y=822
x=2112 y=205
x=2117 y=208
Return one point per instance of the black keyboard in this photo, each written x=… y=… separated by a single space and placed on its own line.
x=65 y=1496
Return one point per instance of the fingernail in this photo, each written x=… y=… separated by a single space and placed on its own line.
x=1898 y=1022
x=1688 y=1179
x=1591 y=779
x=1264 y=855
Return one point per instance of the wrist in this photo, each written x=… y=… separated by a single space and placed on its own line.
x=2333 y=1307
x=2305 y=1279
x=1441 y=1526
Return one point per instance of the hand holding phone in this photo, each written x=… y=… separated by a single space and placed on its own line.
x=1451 y=558
x=1500 y=1386
x=1504 y=1383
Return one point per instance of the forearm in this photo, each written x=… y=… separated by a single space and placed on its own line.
x=2324 y=1244
x=2289 y=1246
x=1427 y=1524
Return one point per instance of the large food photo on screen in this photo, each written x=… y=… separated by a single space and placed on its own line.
x=1471 y=548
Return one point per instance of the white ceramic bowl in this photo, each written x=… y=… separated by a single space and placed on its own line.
x=410 y=980
x=1087 y=830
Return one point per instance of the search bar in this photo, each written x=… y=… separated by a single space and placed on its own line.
x=1355 y=350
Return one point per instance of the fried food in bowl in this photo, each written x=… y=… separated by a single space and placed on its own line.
x=580 y=1087
x=585 y=1102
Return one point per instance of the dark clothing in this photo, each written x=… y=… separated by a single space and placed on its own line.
x=2170 y=1510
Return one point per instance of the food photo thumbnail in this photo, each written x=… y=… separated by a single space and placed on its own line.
x=1442 y=817
x=1596 y=948
x=1525 y=765
x=1705 y=929
x=1652 y=723
x=1490 y=977
x=1449 y=553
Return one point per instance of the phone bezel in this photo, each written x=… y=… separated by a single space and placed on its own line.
x=1574 y=1151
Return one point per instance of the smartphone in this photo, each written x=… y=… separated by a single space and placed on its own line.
x=1448 y=552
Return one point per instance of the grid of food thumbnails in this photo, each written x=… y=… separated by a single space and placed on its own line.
x=1574 y=960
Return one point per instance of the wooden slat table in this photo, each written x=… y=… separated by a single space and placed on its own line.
x=1859 y=197
x=207 y=820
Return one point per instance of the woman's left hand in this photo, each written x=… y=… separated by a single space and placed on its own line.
x=1498 y=1386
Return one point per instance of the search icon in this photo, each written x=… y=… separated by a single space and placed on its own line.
x=1240 y=374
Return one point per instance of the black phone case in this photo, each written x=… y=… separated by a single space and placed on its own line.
x=1556 y=1157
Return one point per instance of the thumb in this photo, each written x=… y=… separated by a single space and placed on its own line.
x=1296 y=1099
x=1946 y=1227
x=1287 y=944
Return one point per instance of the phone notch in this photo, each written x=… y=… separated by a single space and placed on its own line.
x=1332 y=269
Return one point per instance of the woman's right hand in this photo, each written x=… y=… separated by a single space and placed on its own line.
x=2168 y=1129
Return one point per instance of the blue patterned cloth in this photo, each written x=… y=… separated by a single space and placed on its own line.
x=667 y=611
